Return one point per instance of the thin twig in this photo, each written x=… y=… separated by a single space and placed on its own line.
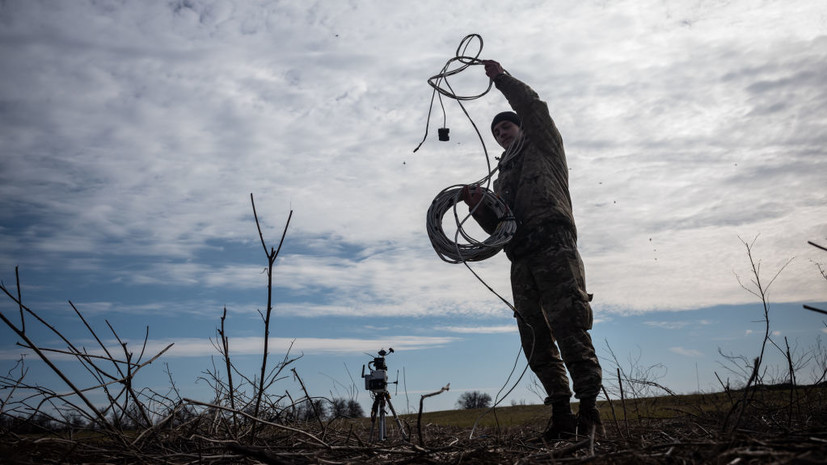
x=259 y=420
x=225 y=349
x=817 y=246
x=813 y=309
x=792 y=382
x=271 y=258
x=20 y=300
x=623 y=401
x=421 y=404
x=101 y=419
x=612 y=406
x=309 y=399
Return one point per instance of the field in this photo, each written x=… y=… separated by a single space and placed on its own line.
x=776 y=424
x=247 y=423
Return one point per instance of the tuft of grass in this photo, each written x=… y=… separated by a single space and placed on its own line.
x=517 y=415
x=648 y=408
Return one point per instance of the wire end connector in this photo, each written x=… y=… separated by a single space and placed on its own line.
x=443 y=134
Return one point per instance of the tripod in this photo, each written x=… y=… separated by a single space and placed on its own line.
x=380 y=398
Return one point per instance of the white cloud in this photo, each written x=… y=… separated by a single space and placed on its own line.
x=478 y=329
x=141 y=129
x=676 y=324
x=344 y=346
x=199 y=347
x=667 y=324
x=686 y=352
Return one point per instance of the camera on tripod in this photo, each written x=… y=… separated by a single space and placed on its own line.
x=377 y=383
x=377 y=379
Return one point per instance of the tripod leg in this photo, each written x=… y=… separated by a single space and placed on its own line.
x=382 y=418
x=373 y=409
x=398 y=422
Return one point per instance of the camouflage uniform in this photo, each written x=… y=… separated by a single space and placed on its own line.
x=547 y=276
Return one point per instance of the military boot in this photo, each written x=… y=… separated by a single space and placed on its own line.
x=588 y=418
x=562 y=423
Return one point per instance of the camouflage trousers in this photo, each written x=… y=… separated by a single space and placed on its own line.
x=554 y=316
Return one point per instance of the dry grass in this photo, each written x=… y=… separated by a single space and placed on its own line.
x=675 y=429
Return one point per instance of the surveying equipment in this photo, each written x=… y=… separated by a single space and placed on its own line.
x=377 y=383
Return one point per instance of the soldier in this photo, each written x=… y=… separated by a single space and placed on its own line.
x=547 y=276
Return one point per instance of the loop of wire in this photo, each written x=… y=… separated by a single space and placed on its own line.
x=466 y=61
x=448 y=250
x=438 y=80
x=455 y=252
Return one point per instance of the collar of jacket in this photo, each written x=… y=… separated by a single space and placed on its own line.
x=505 y=163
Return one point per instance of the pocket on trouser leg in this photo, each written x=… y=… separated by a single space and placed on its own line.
x=577 y=284
x=585 y=310
x=571 y=309
x=580 y=314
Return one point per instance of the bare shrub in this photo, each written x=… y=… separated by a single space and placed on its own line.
x=473 y=399
x=345 y=408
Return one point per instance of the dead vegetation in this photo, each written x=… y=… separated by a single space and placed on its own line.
x=245 y=422
x=691 y=434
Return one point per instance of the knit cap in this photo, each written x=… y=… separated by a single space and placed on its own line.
x=506 y=116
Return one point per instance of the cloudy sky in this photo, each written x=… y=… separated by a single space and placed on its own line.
x=133 y=134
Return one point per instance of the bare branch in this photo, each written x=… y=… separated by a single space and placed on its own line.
x=817 y=246
x=271 y=258
x=421 y=405
x=813 y=309
x=101 y=419
x=20 y=300
x=259 y=420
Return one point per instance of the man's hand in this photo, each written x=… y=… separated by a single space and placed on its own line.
x=472 y=195
x=492 y=68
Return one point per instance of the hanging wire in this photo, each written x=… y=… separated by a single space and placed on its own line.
x=441 y=78
x=452 y=251
x=449 y=250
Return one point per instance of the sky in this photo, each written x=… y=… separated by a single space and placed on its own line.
x=134 y=133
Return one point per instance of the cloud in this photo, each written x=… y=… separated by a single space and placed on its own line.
x=478 y=329
x=135 y=134
x=686 y=352
x=667 y=324
x=239 y=346
x=676 y=324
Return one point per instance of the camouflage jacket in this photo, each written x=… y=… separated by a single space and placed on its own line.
x=534 y=183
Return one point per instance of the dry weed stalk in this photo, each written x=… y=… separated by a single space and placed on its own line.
x=125 y=404
x=272 y=254
x=421 y=406
x=231 y=396
x=761 y=290
x=823 y=272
